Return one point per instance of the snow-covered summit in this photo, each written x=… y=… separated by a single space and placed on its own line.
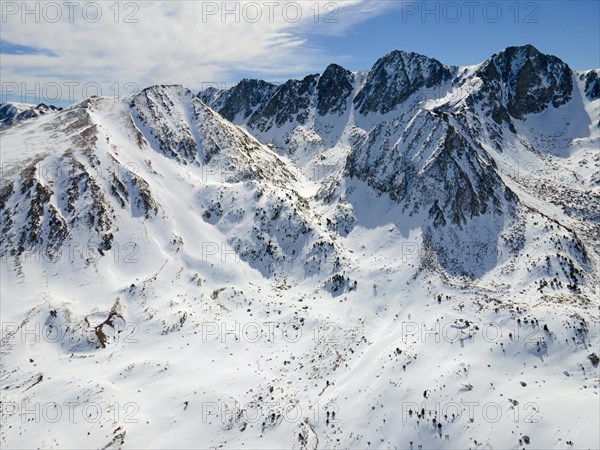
x=401 y=257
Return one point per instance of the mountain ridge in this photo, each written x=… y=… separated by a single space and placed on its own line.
x=348 y=260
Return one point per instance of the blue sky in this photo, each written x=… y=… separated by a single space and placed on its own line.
x=569 y=30
x=59 y=56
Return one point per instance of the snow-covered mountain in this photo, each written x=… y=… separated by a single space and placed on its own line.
x=400 y=257
x=443 y=141
x=12 y=113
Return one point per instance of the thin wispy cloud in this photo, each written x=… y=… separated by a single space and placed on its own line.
x=184 y=42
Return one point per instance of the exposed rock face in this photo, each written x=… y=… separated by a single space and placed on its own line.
x=454 y=184
x=177 y=124
x=95 y=193
x=458 y=181
x=289 y=104
x=413 y=193
x=395 y=77
x=418 y=131
x=515 y=82
x=70 y=193
x=241 y=101
x=429 y=154
x=334 y=87
x=11 y=114
x=592 y=84
x=521 y=80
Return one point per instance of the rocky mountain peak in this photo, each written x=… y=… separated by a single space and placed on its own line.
x=149 y=238
x=523 y=80
x=395 y=77
x=334 y=87
x=242 y=100
x=592 y=84
x=289 y=104
x=13 y=113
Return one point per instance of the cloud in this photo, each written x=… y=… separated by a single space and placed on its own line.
x=181 y=42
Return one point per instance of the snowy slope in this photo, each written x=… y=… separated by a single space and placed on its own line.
x=12 y=113
x=400 y=258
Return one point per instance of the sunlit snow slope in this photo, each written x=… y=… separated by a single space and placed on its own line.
x=405 y=257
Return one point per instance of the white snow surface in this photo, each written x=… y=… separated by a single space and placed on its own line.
x=225 y=329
